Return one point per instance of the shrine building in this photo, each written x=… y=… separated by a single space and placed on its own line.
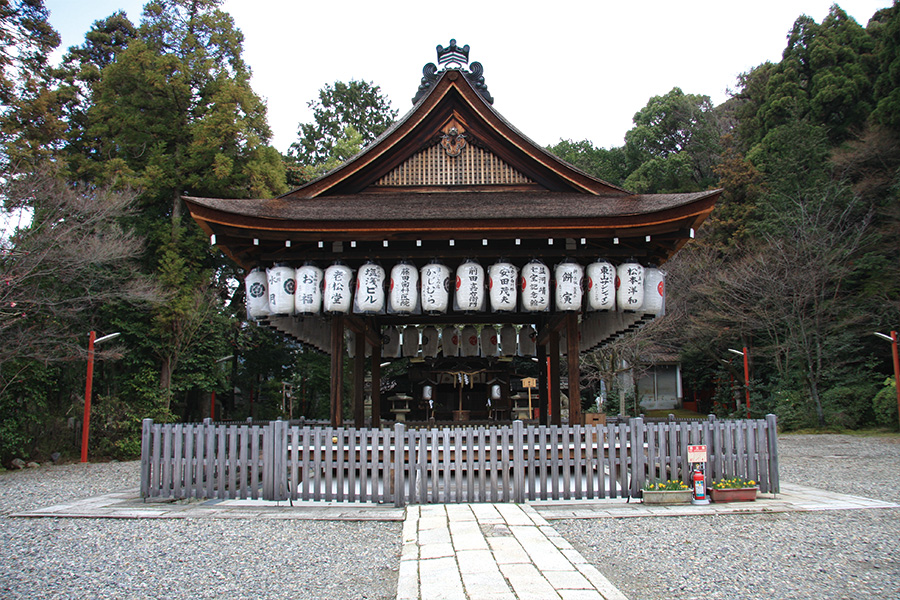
x=456 y=242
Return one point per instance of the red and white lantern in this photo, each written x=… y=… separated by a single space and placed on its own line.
x=404 y=294
x=502 y=279
x=430 y=342
x=410 y=341
x=308 y=297
x=370 y=288
x=338 y=294
x=390 y=342
x=435 y=288
x=489 y=343
x=654 y=292
x=469 y=341
x=601 y=292
x=281 y=289
x=535 y=287
x=568 y=286
x=630 y=286
x=508 y=340
x=527 y=341
x=256 y=284
x=450 y=341
x=470 y=287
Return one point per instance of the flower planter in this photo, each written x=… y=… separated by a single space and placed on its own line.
x=667 y=496
x=734 y=494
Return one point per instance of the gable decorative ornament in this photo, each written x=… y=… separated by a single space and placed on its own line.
x=453 y=58
x=453 y=142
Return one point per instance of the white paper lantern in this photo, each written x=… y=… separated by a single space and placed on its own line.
x=370 y=288
x=489 y=345
x=535 y=287
x=427 y=392
x=410 y=341
x=308 y=297
x=654 y=292
x=601 y=291
x=435 y=288
x=468 y=341
x=502 y=282
x=256 y=285
x=527 y=341
x=281 y=289
x=470 y=287
x=404 y=296
x=630 y=286
x=450 y=341
x=390 y=343
x=430 y=342
x=508 y=340
x=496 y=392
x=338 y=294
x=568 y=286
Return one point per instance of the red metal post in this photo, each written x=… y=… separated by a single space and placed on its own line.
x=86 y=425
x=212 y=406
x=896 y=369
x=747 y=378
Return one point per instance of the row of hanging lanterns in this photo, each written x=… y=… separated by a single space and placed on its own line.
x=410 y=342
x=308 y=290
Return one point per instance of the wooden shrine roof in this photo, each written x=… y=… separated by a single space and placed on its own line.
x=451 y=169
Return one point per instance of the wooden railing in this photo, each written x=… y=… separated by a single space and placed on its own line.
x=280 y=461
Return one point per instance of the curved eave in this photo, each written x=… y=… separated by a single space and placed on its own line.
x=407 y=135
x=240 y=225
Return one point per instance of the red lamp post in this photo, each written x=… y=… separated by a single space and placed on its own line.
x=746 y=356
x=86 y=425
x=893 y=340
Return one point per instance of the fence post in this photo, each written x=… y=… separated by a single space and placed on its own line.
x=279 y=470
x=772 y=438
x=637 y=455
x=146 y=444
x=399 y=443
x=268 y=488
x=518 y=432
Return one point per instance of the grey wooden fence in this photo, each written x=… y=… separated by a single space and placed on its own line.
x=280 y=461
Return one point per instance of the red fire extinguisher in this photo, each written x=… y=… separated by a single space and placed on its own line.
x=699 y=480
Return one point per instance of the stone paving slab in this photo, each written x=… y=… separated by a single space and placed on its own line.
x=791 y=498
x=129 y=505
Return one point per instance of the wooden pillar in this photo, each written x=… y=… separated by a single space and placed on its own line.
x=543 y=384
x=376 y=384
x=553 y=352
x=337 y=369
x=359 y=381
x=572 y=356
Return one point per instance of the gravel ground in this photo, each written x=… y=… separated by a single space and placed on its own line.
x=824 y=555
x=821 y=555
x=168 y=558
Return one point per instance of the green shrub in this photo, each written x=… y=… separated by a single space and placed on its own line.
x=849 y=406
x=884 y=404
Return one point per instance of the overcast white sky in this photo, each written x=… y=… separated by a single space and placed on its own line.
x=557 y=69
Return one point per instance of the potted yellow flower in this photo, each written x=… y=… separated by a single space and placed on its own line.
x=733 y=489
x=667 y=492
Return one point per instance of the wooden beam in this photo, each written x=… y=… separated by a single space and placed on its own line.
x=555 y=324
x=553 y=352
x=543 y=385
x=359 y=381
x=376 y=386
x=337 y=369
x=572 y=356
x=363 y=327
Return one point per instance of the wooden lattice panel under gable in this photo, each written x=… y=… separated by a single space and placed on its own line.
x=435 y=167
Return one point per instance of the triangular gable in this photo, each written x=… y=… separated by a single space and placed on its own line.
x=422 y=150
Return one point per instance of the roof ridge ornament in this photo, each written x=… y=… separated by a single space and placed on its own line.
x=453 y=58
